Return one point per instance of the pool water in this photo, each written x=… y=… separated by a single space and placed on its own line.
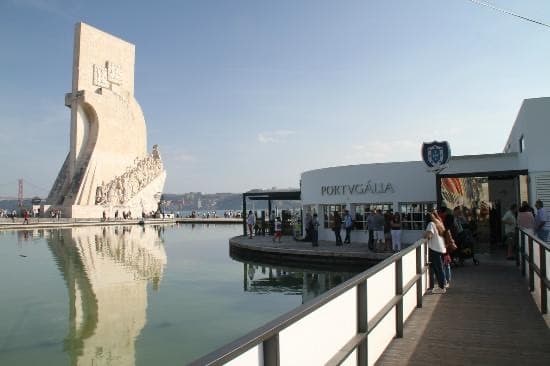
x=132 y=295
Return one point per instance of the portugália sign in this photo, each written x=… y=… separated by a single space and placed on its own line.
x=360 y=188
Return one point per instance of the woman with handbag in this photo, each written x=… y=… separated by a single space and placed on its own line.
x=436 y=247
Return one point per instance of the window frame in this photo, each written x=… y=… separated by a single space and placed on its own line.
x=327 y=218
x=361 y=224
x=417 y=218
x=521 y=144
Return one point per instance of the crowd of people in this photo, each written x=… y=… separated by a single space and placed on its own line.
x=527 y=218
x=26 y=214
x=272 y=225
x=384 y=228
x=5 y=213
x=451 y=236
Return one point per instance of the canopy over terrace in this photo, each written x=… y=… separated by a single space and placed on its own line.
x=269 y=195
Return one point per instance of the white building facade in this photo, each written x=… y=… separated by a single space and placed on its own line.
x=520 y=173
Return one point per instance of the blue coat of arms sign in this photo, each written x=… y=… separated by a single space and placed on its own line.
x=436 y=155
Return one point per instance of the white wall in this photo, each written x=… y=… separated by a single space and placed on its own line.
x=314 y=339
x=532 y=123
x=483 y=163
x=411 y=182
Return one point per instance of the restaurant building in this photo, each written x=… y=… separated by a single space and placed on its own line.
x=487 y=184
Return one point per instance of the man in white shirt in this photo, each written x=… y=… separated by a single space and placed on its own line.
x=250 y=221
x=540 y=221
x=509 y=221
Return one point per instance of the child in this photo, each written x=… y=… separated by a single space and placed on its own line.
x=278 y=229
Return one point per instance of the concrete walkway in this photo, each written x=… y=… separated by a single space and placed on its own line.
x=487 y=317
x=298 y=251
x=44 y=223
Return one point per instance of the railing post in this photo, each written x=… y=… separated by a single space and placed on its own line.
x=362 y=323
x=531 y=269
x=522 y=253
x=419 y=285
x=542 y=266
x=271 y=351
x=399 y=292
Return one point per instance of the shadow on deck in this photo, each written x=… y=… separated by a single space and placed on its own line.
x=487 y=317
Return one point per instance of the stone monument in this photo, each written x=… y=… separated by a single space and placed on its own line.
x=108 y=168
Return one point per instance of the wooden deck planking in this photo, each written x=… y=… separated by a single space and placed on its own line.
x=487 y=317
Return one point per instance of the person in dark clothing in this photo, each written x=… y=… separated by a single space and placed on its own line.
x=336 y=227
x=315 y=231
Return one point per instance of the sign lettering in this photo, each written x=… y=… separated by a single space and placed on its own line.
x=359 y=188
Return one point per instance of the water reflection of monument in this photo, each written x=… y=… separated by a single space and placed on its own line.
x=262 y=278
x=107 y=270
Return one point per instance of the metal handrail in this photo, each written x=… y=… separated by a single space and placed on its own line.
x=530 y=233
x=268 y=333
x=541 y=270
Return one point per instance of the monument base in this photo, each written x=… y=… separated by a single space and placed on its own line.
x=146 y=201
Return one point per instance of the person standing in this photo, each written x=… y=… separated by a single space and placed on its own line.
x=26 y=217
x=250 y=221
x=370 y=225
x=272 y=223
x=278 y=230
x=526 y=220
x=540 y=221
x=307 y=225
x=348 y=225
x=436 y=248
x=315 y=231
x=378 y=228
x=336 y=227
x=509 y=221
x=396 y=232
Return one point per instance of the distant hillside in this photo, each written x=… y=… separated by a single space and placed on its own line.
x=189 y=202
x=215 y=201
x=14 y=204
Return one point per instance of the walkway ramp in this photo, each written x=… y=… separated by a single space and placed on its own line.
x=487 y=317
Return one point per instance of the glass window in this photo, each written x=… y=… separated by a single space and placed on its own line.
x=413 y=214
x=521 y=144
x=363 y=210
x=328 y=213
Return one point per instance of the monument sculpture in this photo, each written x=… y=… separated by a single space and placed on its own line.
x=108 y=167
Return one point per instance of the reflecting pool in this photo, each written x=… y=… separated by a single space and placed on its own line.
x=132 y=295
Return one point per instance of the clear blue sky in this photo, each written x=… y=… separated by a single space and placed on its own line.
x=249 y=94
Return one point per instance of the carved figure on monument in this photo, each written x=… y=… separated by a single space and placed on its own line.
x=99 y=194
x=102 y=99
x=156 y=152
